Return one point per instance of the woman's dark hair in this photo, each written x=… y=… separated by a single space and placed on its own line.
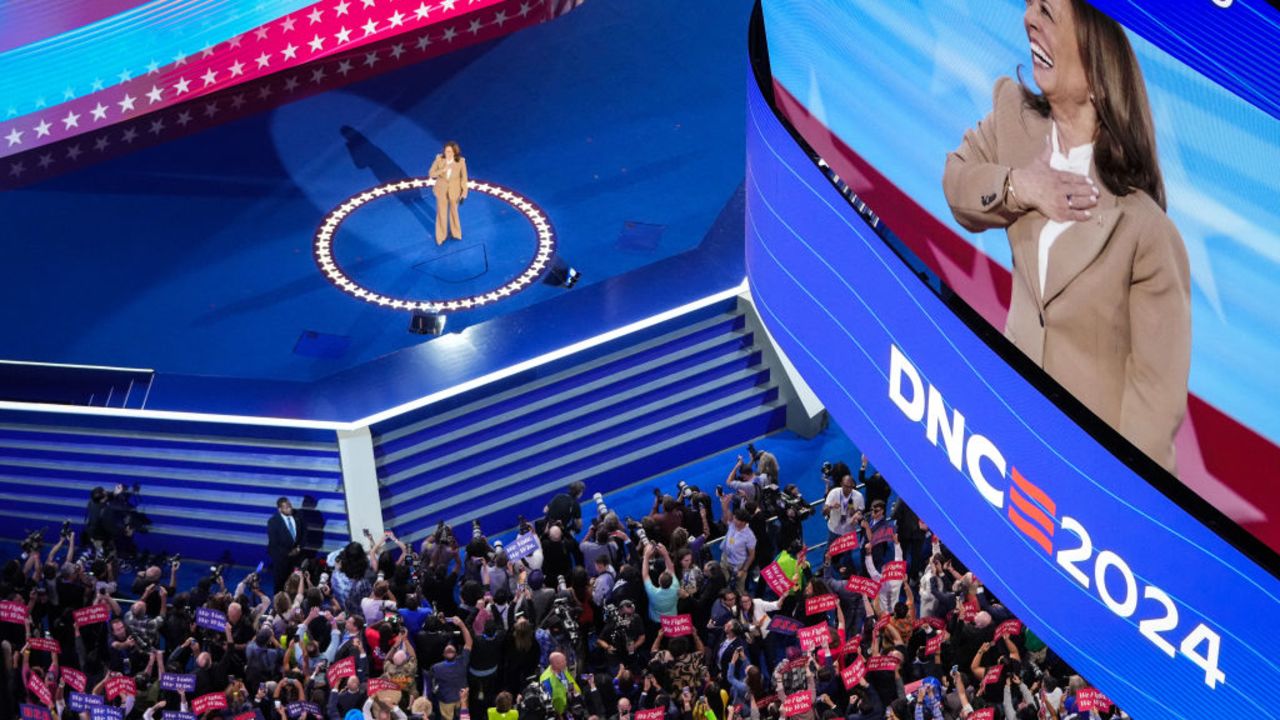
x=457 y=151
x=353 y=562
x=1124 y=149
x=502 y=702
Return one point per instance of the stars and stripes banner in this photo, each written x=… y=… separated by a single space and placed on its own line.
x=328 y=45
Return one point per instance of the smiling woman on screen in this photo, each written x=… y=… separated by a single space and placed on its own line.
x=1101 y=285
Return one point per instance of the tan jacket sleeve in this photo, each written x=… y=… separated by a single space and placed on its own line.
x=1155 y=388
x=437 y=167
x=974 y=181
x=462 y=177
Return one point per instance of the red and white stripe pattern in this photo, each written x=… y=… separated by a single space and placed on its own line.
x=357 y=31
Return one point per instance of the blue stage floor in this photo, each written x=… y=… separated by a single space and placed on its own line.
x=623 y=120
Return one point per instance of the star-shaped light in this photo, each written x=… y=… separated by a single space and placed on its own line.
x=157 y=126
x=211 y=109
x=341 y=7
x=68 y=93
x=371 y=58
x=287 y=25
x=449 y=34
x=264 y=92
x=153 y=67
x=210 y=77
x=263 y=60
x=184 y=117
x=524 y=9
x=14 y=137
x=42 y=130
x=344 y=67
x=397 y=19
x=130 y=134
x=316 y=43
x=16 y=169
x=314 y=16
x=370 y=27
x=317 y=75
x=96 y=85
x=206 y=51
x=183 y=85
x=422 y=11
x=397 y=50
x=344 y=35
x=290 y=84
x=423 y=42
x=475 y=26
x=236 y=69
x=71 y=120
x=155 y=95
x=125 y=75
x=290 y=52
x=101 y=143
x=237 y=101
x=500 y=18
x=448 y=5
x=261 y=32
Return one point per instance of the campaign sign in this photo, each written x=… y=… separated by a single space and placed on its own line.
x=13 y=612
x=209 y=701
x=297 y=709
x=81 y=702
x=983 y=714
x=852 y=646
x=120 y=685
x=993 y=675
x=821 y=603
x=178 y=681
x=106 y=712
x=177 y=715
x=863 y=586
x=37 y=687
x=250 y=715
x=934 y=643
x=677 y=625
x=784 y=625
x=211 y=619
x=882 y=663
x=853 y=674
x=523 y=546
x=45 y=644
x=776 y=578
x=815 y=636
x=344 y=668
x=884 y=620
x=33 y=712
x=74 y=679
x=797 y=704
x=883 y=534
x=377 y=685
x=1091 y=699
x=844 y=544
x=969 y=609
x=651 y=714
x=1011 y=628
x=92 y=614
x=936 y=623
x=894 y=570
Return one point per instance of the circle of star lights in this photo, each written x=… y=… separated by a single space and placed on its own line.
x=322 y=248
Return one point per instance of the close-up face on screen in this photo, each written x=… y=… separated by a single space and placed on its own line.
x=1104 y=204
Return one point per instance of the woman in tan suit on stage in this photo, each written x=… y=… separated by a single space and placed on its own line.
x=1101 y=285
x=449 y=170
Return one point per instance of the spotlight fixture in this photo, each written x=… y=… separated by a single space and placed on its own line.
x=424 y=323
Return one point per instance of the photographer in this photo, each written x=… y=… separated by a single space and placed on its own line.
x=622 y=636
x=449 y=675
x=101 y=523
x=843 y=511
x=566 y=509
x=559 y=684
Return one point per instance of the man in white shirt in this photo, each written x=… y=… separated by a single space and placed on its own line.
x=843 y=509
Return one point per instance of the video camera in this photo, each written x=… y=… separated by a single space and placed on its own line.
x=33 y=541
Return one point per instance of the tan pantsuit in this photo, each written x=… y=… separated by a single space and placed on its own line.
x=450 y=189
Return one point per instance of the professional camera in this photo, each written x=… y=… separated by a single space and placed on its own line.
x=33 y=541
x=536 y=702
x=561 y=609
x=601 y=510
x=65 y=532
x=753 y=453
x=683 y=491
x=215 y=572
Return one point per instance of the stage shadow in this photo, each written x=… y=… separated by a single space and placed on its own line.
x=366 y=155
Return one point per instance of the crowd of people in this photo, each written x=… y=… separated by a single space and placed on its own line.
x=710 y=607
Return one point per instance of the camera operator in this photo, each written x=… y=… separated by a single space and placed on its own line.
x=622 y=636
x=559 y=550
x=742 y=480
x=101 y=524
x=566 y=509
x=793 y=511
x=449 y=675
x=559 y=683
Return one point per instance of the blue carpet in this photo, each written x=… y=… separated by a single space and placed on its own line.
x=194 y=257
